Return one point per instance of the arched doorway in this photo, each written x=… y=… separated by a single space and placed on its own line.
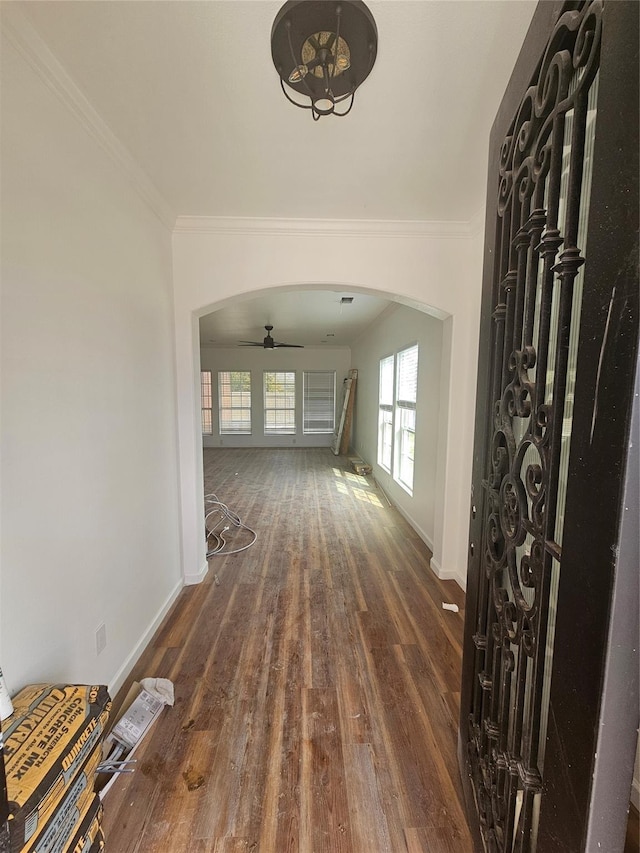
x=434 y=270
x=366 y=329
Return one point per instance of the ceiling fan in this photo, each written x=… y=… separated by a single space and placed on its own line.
x=268 y=342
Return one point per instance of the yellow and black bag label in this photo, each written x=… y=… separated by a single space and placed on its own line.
x=48 y=739
x=4 y=798
x=98 y=845
x=56 y=833
x=61 y=824
x=89 y=831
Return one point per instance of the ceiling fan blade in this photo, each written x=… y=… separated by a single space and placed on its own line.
x=268 y=342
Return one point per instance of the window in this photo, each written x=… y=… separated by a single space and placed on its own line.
x=406 y=442
x=397 y=415
x=385 y=413
x=205 y=395
x=279 y=402
x=234 y=402
x=406 y=395
x=318 y=401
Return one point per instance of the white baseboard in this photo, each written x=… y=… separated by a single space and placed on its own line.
x=193 y=579
x=447 y=575
x=118 y=680
x=421 y=533
x=436 y=568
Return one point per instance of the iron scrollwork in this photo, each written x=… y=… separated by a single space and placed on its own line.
x=538 y=259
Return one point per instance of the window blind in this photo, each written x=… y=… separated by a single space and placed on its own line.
x=407 y=376
x=205 y=395
x=386 y=381
x=279 y=402
x=318 y=402
x=234 y=402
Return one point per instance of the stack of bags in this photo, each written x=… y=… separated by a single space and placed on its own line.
x=52 y=747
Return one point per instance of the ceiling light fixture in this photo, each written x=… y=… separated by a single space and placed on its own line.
x=323 y=51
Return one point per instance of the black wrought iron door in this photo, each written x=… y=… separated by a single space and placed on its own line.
x=556 y=367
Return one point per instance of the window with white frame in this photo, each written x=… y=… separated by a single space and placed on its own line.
x=205 y=396
x=405 y=415
x=318 y=401
x=234 y=402
x=397 y=397
x=279 y=402
x=385 y=413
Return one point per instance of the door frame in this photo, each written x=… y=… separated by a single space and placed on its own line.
x=598 y=461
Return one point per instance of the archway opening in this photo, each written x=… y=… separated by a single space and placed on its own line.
x=341 y=328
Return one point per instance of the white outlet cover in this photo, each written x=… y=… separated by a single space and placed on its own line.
x=101 y=638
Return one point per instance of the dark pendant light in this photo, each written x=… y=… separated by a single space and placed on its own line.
x=323 y=50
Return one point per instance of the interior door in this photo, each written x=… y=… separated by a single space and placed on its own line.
x=556 y=368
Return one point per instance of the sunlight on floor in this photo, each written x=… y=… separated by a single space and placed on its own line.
x=369 y=497
x=357 y=486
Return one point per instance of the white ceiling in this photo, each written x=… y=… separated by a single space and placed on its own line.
x=308 y=318
x=190 y=89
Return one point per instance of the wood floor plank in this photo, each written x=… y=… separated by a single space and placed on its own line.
x=430 y=629
x=369 y=827
x=325 y=825
x=276 y=795
x=438 y=711
x=316 y=679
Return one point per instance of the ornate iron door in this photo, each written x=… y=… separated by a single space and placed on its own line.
x=560 y=322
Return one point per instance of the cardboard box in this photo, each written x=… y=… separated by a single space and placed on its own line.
x=132 y=725
x=138 y=713
x=359 y=466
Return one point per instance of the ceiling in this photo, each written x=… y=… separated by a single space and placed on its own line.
x=308 y=318
x=189 y=88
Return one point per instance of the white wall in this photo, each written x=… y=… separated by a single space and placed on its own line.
x=434 y=264
x=395 y=330
x=256 y=360
x=90 y=508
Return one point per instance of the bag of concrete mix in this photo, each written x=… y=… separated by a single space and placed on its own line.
x=54 y=835
x=48 y=740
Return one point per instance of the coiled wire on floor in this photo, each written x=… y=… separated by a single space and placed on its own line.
x=218 y=520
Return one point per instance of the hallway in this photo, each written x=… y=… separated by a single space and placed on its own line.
x=316 y=679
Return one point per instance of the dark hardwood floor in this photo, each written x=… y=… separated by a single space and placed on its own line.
x=316 y=678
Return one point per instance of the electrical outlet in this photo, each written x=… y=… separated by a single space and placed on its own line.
x=101 y=638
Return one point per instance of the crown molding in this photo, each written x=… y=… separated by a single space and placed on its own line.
x=34 y=50
x=245 y=226
x=24 y=38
